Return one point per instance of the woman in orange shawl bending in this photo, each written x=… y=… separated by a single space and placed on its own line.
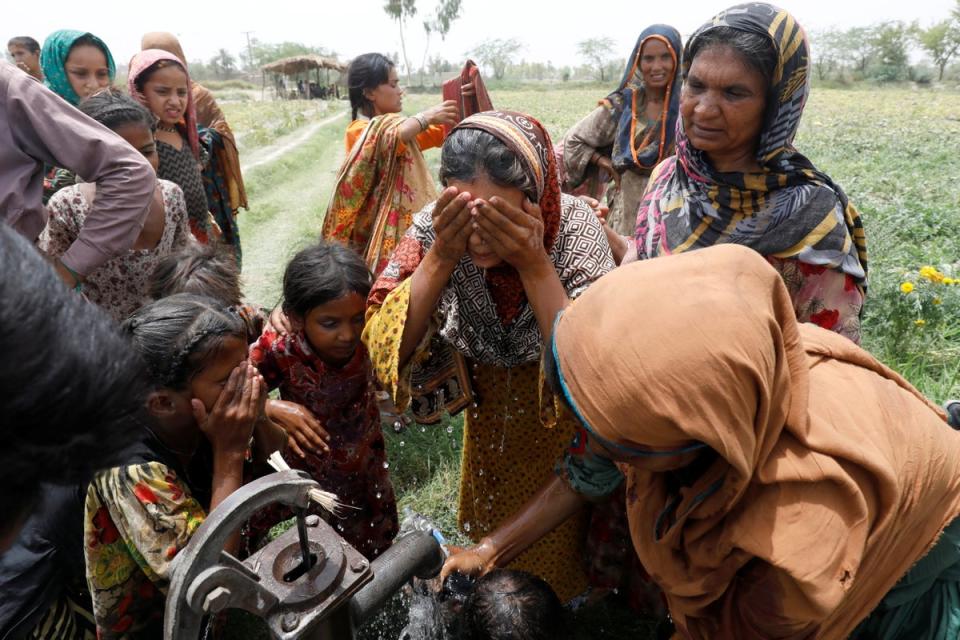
x=384 y=179
x=780 y=482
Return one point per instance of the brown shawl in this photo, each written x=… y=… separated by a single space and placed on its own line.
x=824 y=475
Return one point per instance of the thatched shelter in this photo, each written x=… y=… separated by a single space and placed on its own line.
x=301 y=67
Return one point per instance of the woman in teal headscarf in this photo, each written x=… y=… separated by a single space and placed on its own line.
x=76 y=64
x=629 y=132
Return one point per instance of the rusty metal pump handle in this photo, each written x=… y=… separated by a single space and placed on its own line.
x=204 y=553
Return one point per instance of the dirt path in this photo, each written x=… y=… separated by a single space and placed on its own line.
x=286 y=143
x=288 y=197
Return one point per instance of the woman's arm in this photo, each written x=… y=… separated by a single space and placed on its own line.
x=583 y=141
x=451 y=217
x=547 y=509
x=619 y=245
x=443 y=113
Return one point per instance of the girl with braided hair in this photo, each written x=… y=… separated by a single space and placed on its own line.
x=119 y=286
x=207 y=405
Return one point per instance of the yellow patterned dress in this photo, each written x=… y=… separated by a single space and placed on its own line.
x=508 y=451
x=512 y=435
x=137 y=518
x=381 y=184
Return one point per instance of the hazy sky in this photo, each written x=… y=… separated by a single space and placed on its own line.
x=548 y=30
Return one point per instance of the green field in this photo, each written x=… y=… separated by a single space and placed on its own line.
x=893 y=151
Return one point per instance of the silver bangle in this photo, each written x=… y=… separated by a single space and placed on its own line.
x=423 y=121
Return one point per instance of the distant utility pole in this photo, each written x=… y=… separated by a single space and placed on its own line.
x=249 y=48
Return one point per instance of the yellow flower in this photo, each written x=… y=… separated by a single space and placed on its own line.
x=906 y=287
x=949 y=281
x=937 y=301
x=931 y=274
x=920 y=322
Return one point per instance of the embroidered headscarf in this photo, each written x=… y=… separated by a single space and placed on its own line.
x=146 y=59
x=822 y=475
x=53 y=60
x=629 y=100
x=787 y=210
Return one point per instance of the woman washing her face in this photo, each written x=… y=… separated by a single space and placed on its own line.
x=480 y=275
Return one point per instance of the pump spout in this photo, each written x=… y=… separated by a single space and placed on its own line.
x=415 y=554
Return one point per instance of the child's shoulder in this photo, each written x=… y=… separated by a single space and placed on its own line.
x=148 y=481
x=170 y=190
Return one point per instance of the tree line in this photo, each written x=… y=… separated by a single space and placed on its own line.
x=882 y=52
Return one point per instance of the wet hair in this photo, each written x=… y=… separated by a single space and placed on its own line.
x=177 y=336
x=323 y=272
x=205 y=270
x=71 y=391
x=513 y=605
x=367 y=71
x=114 y=109
x=470 y=153
x=756 y=51
x=26 y=42
x=145 y=75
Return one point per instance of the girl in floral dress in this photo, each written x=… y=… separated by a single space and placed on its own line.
x=206 y=404
x=324 y=366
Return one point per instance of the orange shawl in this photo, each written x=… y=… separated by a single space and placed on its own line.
x=381 y=184
x=826 y=475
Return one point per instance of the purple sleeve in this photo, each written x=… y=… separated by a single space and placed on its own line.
x=50 y=130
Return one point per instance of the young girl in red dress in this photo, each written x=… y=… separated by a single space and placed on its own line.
x=323 y=365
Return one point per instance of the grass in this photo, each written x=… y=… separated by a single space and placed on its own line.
x=288 y=198
x=220 y=85
x=889 y=150
x=256 y=123
x=893 y=151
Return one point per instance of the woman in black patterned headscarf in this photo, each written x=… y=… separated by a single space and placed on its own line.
x=736 y=176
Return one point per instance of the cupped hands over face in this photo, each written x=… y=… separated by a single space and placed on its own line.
x=491 y=223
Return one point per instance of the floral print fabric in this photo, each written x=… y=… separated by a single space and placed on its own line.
x=137 y=519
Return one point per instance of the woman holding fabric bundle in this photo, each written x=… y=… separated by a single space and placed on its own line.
x=780 y=482
x=630 y=132
x=384 y=179
x=481 y=274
